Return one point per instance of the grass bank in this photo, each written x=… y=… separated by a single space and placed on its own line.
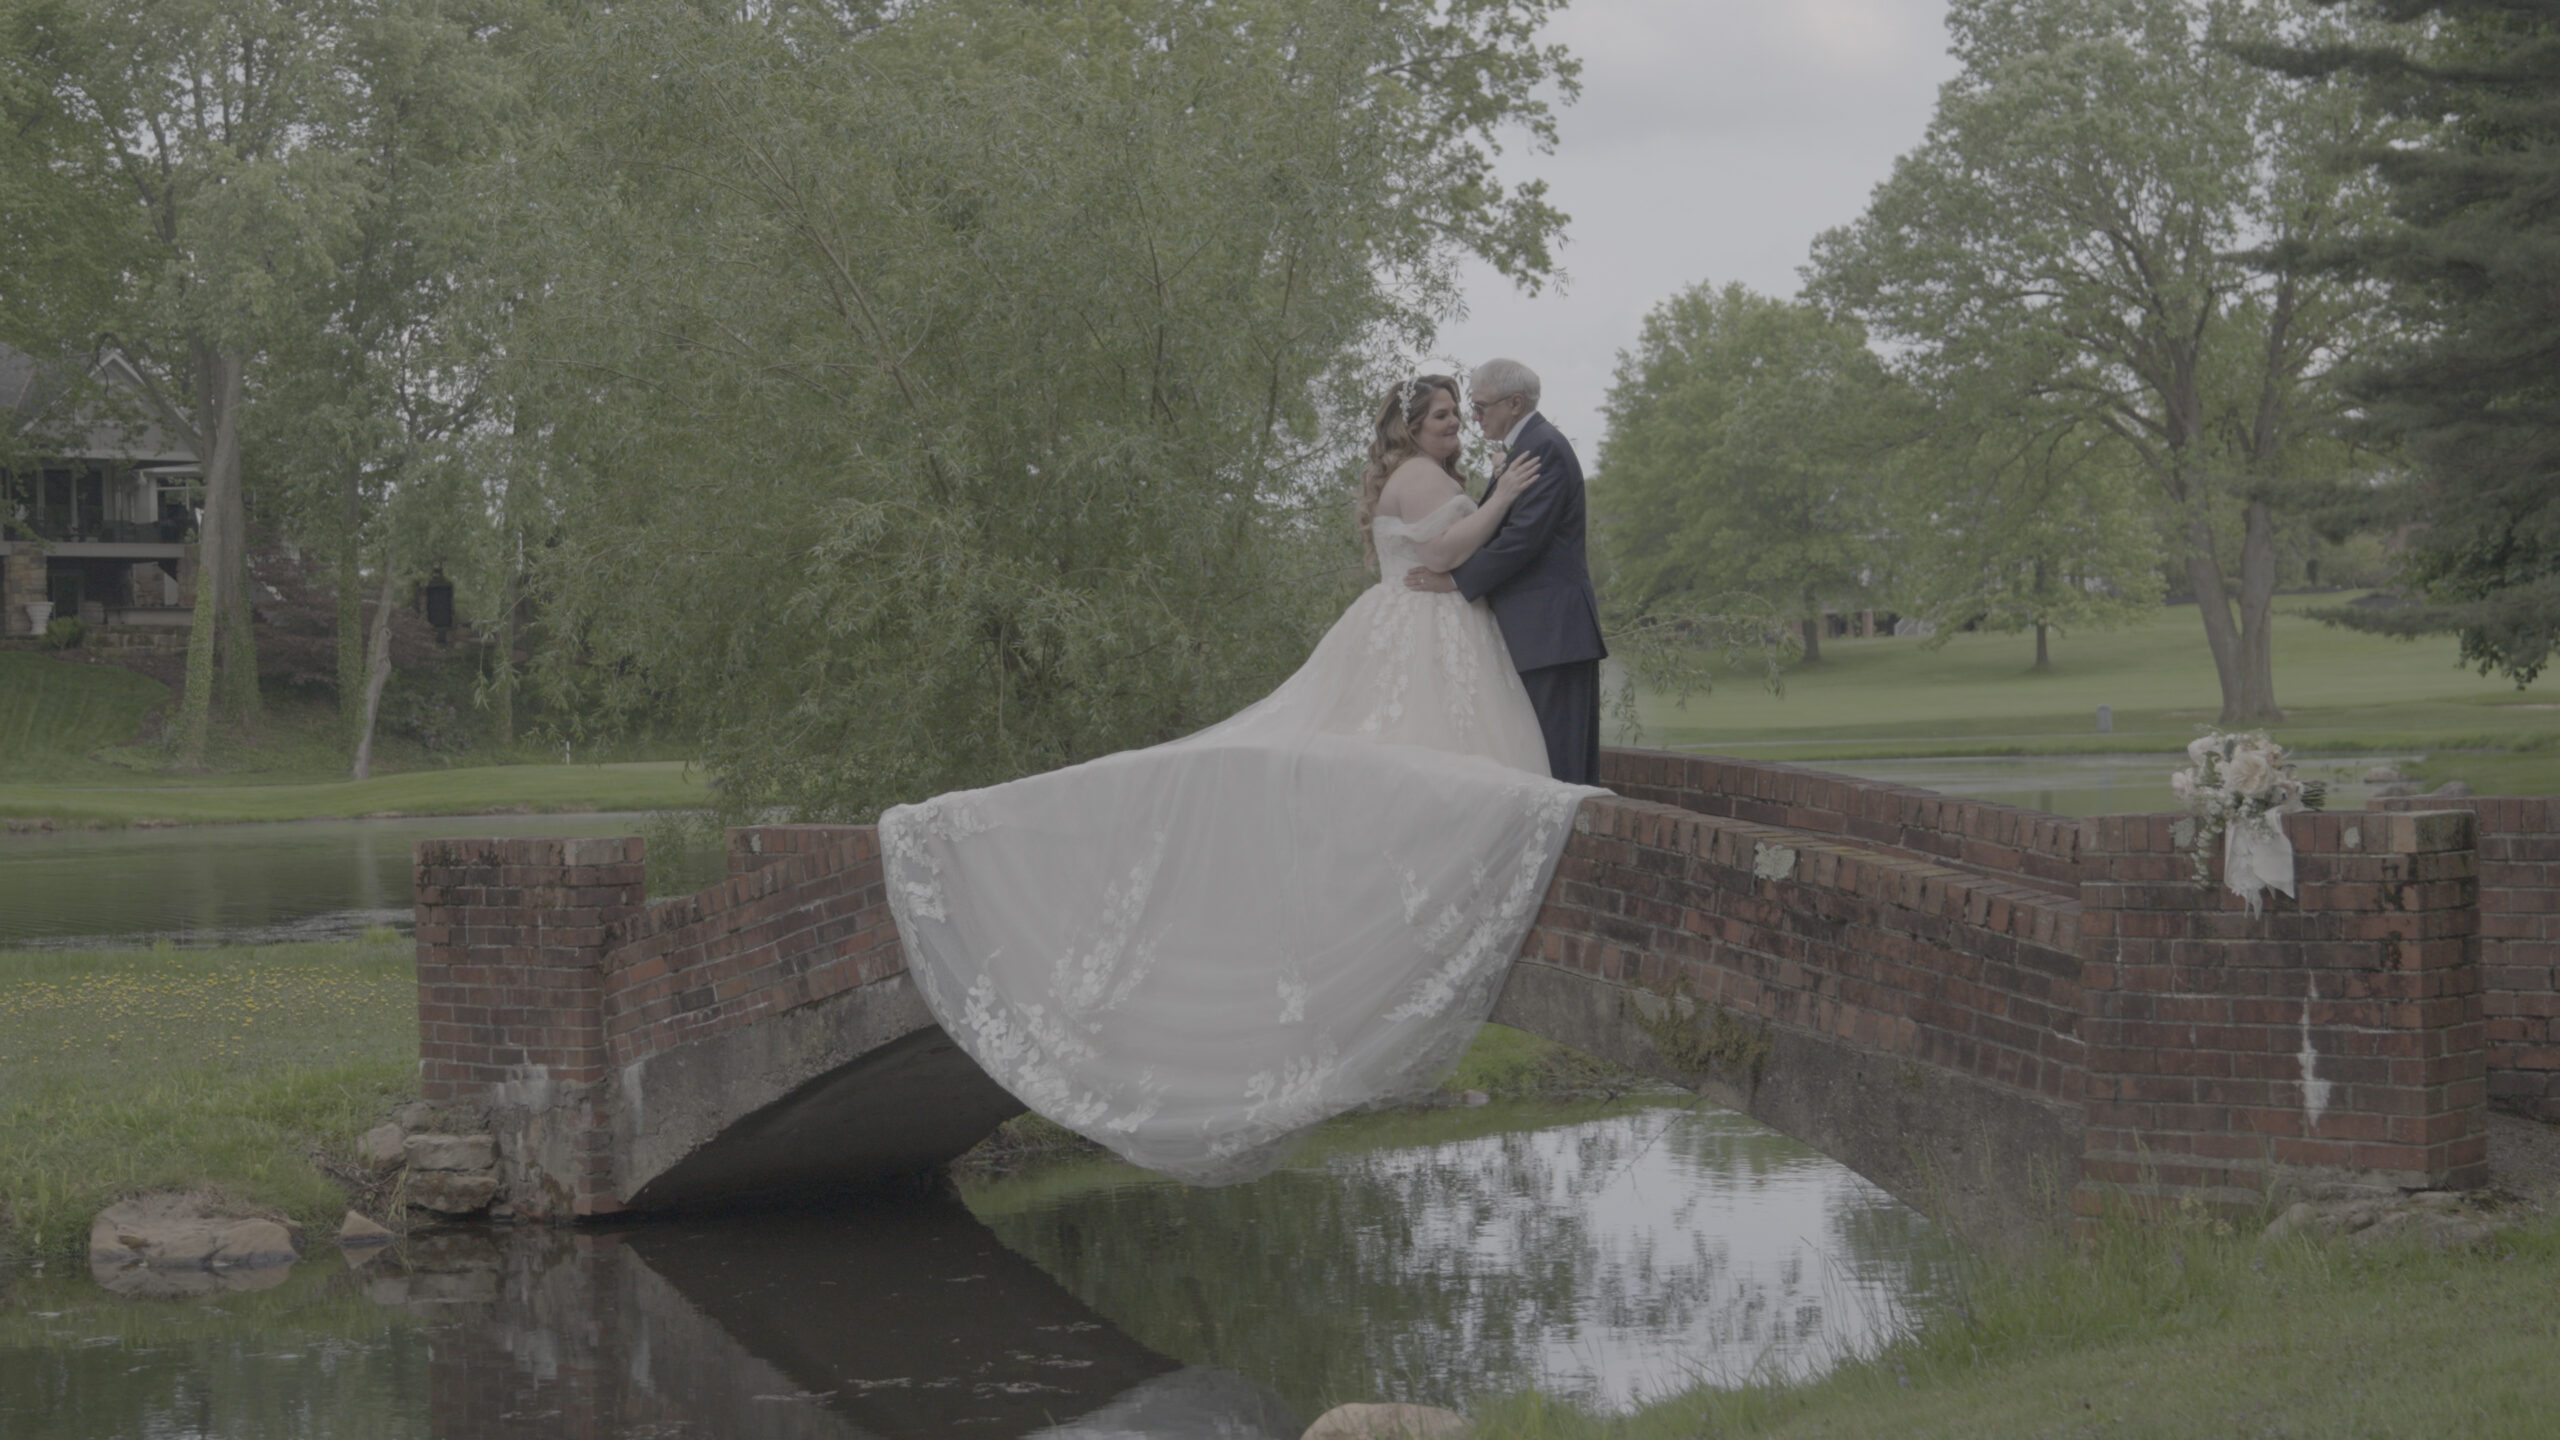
x=2176 y=1330
x=78 y=746
x=474 y=790
x=128 y=1071
x=2343 y=692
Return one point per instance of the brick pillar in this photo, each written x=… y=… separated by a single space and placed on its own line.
x=2332 y=1040
x=2519 y=943
x=511 y=941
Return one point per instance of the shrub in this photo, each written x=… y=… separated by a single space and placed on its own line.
x=64 y=632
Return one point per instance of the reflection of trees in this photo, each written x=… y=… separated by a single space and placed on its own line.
x=1623 y=1254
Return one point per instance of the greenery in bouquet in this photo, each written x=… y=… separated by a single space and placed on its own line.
x=2237 y=776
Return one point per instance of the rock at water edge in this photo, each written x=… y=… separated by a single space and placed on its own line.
x=1389 y=1422
x=356 y=1231
x=451 y=1152
x=383 y=1147
x=451 y=1192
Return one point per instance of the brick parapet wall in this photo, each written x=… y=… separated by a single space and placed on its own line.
x=2028 y=845
x=510 y=943
x=1977 y=974
x=2335 y=1036
x=2155 y=1008
x=2519 y=943
x=510 y=939
x=802 y=916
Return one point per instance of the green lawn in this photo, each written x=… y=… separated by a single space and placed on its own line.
x=477 y=790
x=74 y=749
x=1977 y=695
x=2171 y=1332
x=128 y=1071
x=54 y=713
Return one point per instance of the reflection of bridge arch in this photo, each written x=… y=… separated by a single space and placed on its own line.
x=894 y=1322
x=1988 y=1011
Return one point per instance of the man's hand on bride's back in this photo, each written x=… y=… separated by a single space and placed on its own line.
x=1519 y=475
x=1423 y=577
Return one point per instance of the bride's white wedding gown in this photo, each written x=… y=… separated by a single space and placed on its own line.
x=1188 y=953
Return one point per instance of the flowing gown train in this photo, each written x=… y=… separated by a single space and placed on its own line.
x=1189 y=953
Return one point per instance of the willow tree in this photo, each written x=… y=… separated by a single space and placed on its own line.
x=926 y=400
x=2111 y=210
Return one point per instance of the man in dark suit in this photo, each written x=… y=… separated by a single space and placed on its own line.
x=1533 y=574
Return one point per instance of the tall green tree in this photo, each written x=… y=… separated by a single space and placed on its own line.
x=2011 y=519
x=219 y=123
x=2468 y=387
x=927 y=400
x=2081 y=220
x=1747 y=439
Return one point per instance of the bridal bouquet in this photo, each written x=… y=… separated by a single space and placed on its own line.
x=2239 y=788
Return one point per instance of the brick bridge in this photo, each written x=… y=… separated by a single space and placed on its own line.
x=2000 y=1015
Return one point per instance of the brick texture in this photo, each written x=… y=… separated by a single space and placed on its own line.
x=2072 y=961
x=2519 y=943
x=1979 y=974
x=2334 y=1036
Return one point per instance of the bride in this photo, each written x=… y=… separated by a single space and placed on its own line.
x=1191 y=952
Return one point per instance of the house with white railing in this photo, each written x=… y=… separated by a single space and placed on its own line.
x=99 y=505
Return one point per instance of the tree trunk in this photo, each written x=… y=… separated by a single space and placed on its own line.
x=2257 y=699
x=218 y=384
x=2044 y=581
x=235 y=676
x=2213 y=604
x=379 y=670
x=350 y=613
x=1812 y=639
x=502 y=685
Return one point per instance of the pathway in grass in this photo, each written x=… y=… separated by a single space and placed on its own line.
x=128 y=1071
x=1976 y=695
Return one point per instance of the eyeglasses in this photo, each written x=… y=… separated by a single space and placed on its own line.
x=1480 y=406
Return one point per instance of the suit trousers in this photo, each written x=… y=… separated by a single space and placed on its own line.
x=1567 y=699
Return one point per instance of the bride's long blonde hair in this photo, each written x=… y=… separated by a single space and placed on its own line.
x=1392 y=442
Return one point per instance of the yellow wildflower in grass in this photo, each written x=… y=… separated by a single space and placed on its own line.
x=123 y=1071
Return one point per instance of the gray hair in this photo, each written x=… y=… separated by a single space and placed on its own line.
x=1495 y=379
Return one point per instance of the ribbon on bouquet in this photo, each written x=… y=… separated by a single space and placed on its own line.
x=2256 y=858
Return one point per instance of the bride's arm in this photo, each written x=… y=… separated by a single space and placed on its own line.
x=1451 y=547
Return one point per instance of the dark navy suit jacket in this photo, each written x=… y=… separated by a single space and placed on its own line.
x=1532 y=571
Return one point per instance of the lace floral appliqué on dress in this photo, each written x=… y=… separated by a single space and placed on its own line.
x=1192 y=952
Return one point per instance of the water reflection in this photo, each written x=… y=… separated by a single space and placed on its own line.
x=1609 y=1260
x=253 y=884
x=1443 y=1256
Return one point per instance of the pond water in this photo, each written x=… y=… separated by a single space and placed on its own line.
x=326 y=879
x=2090 y=784
x=253 y=884
x=1606 y=1253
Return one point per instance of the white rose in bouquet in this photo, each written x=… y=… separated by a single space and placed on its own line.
x=2250 y=774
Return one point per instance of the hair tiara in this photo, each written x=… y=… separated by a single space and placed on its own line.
x=1410 y=396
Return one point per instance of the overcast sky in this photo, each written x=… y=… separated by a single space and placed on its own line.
x=1714 y=139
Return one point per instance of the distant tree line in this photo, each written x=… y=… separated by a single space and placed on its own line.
x=2167 y=285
